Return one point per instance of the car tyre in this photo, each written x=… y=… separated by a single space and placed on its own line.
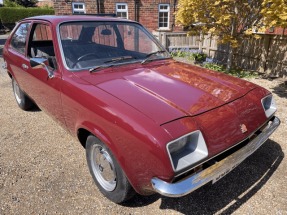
x=106 y=172
x=23 y=101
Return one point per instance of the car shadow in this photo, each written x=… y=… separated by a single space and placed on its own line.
x=280 y=90
x=228 y=194
x=35 y=108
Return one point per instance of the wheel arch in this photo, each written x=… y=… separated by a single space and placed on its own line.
x=141 y=185
x=9 y=74
x=82 y=135
x=87 y=129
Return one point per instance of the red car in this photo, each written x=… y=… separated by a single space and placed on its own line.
x=148 y=123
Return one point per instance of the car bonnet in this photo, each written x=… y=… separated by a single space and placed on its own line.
x=167 y=90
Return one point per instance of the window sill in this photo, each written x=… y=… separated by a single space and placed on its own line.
x=164 y=30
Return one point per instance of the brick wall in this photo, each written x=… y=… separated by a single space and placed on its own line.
x=43 y=3
x=146 y=10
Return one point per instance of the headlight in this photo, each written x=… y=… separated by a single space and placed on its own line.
x=269 y=105
x=187 y=150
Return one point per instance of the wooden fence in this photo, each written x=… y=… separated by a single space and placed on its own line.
x=268 y=54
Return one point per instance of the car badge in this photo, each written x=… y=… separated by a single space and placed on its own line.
x=243 y=128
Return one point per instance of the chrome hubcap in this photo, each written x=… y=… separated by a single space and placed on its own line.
x=17 y=92
x=103 y=167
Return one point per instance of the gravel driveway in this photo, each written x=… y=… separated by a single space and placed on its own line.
x=43 y=171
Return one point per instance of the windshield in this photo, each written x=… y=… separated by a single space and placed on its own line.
x=89 y=45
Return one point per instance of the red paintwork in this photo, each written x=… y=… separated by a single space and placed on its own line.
x=137 y=109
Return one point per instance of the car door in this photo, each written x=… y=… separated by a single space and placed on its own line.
x=16 y=54
x=45 y=91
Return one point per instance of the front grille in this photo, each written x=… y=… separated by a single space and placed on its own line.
x=221 y=156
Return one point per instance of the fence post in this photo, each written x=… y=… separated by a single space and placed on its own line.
x=201 y=38
x=264 y=53
x=208 y=44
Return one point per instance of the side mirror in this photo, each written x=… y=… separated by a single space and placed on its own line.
x=38 y=62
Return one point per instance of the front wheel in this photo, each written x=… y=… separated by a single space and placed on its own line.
x=23 y=101
x=106 y=172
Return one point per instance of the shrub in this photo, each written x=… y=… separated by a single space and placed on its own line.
x=198 y=57
x=191 y=54
x=10 y=3
x=10 y=15
x=237 y=72
x=195 y=56
x=214 y=66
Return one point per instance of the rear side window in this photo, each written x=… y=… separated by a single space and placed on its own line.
x=19 y=38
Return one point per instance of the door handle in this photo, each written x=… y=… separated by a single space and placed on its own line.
x=24 y=66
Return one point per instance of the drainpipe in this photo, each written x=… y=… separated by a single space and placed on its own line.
x=173 y=21
x=98 y=6
x=136 y=11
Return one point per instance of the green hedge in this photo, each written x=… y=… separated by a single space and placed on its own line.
x=10 y=15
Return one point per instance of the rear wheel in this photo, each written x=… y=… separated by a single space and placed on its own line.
x=23 y=101
x=106 y=172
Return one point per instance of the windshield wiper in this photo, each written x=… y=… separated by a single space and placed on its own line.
x=151 y=54
x=103 y=66
x=117 y=59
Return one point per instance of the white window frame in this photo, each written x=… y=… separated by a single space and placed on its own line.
x=77 y=9
x=164 y=11
x=122 y=10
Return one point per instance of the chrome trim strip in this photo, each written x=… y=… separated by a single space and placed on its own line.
x=215 y=171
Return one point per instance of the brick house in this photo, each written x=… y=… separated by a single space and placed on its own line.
x=42 y=3
x=155 y=15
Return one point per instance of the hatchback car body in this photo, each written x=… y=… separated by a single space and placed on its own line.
x=148 y=123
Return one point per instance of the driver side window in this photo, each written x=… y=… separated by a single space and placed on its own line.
x=18 y=41
x=41 y=44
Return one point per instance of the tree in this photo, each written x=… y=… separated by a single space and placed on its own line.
x=230 y=20
x=10 y=3
x=275 y=14
x=20 y=3
x=26 y=3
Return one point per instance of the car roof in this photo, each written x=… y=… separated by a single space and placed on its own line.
x=56 y=19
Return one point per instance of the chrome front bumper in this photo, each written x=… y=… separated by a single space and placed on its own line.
x=216 y=171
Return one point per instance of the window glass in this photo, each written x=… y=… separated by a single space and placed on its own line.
x=122 y=10
x=87 y=45
x=18 y=41
x=71 y=32
x=100 y=37
x=136 y=40
x=78 y=8
x=163 y=16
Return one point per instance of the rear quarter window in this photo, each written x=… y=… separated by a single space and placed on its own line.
x=19 y=38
